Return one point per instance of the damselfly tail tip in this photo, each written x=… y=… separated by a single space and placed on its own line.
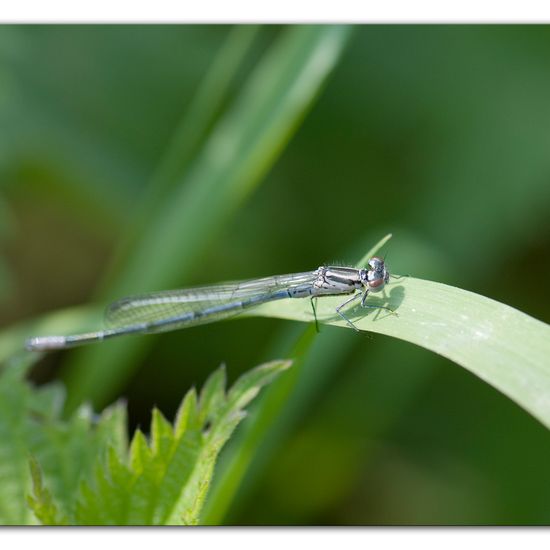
x=45 y=343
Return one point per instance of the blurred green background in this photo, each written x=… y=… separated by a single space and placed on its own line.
x=438 y=134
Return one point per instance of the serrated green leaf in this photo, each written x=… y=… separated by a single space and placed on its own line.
x=161 y=433
x=88 y=505
x=112 y=427
x=248 y=385
x=243 y=391
x=187 y=510
x=82 y=470
x=166 y=481
x=140 y=453
x=187 y=413
x=212 y=395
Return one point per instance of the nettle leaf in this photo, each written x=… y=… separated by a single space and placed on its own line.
x=82 y=470
x=163 y=480
x=60 y=451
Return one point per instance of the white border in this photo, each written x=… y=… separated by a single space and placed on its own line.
x=270 y=538
x=280 y=11
x=275 y=11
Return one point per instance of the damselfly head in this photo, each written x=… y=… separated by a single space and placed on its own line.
x=377 y=276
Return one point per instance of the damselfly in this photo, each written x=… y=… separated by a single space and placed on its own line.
x=173 y=309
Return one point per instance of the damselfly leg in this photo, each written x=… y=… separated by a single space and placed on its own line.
x=313 y=300
x=338 y=310
x=363 y=296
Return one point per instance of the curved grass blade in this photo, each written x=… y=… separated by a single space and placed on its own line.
x=513 y=356
x=501 y=345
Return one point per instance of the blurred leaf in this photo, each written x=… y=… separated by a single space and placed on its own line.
x=7 y=220
x=6 y=281
x=6 y=230
x=241 y=148
x=84 y=122
x=30 y=425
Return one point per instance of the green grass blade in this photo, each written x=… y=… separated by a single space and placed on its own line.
x=190 y=134
x=501 y=345
x=241 y=148
x=207 y=104
x=374 y=250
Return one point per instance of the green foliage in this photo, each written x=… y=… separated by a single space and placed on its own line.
x=42 y=503
x=82 y=470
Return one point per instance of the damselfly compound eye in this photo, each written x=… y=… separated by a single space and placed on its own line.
x=376 y=263
x=378 y=275
x=376 y=282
